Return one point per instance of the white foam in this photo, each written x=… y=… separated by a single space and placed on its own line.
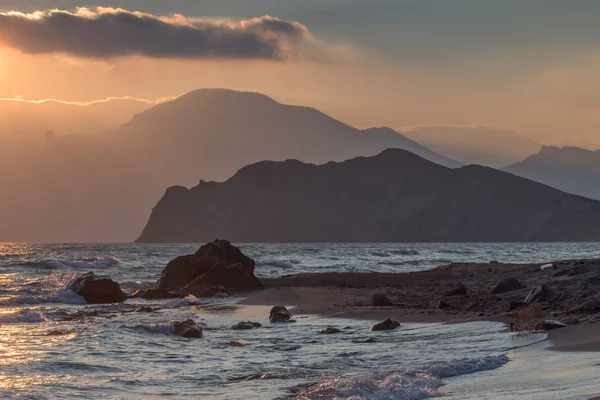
x=25 y=316
x=63 y=296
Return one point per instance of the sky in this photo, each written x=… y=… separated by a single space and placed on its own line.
x=527 y=65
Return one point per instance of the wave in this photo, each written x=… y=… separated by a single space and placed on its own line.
x=417 y=384
x=284 y=264
x=63 y=296
x=85 y=264
x=24 y=316
x=418 y=262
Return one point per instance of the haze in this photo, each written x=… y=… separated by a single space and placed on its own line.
x=512 y=75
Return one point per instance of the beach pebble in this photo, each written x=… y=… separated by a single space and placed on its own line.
x=386 y=325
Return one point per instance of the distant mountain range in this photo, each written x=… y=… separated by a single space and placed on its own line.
x=395 y=196
x=481 y=145
x=102 y=187
x=571 y=169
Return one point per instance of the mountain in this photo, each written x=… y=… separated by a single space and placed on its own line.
x=102 y=187
x=395 y=196
x=571 y=169
x=481 y=145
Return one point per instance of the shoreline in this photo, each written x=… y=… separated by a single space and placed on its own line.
x=455 y=293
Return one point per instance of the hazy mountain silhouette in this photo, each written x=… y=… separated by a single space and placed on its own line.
x=571 y=169
x=394 y=196
x=103 y=187
x=482 y=145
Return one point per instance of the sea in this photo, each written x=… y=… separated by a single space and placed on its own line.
x=55 y=346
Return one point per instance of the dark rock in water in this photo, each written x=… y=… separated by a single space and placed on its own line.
x=97 y=290
x=330 y=331
x=187 y=329
x=55 y=333
x=145 y=309
x=507 y=306
x=154 y=294
x=386 y=325
x=203 y=286
x=507 y=285
x=244 y=325
x=371 y=340
x=494 y=262
x=220 y=261
x=280 y=314
x=539 y=294
x=380 y=299
x=459 y=290
x=439 y=304
x=549 y=325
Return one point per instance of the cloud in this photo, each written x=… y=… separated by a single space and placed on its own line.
x=19 y=99
x=105 y=33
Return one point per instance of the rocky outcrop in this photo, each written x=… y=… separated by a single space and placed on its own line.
x=507 y=285
x=187 y=329
x=97 y=290
x=386 y=325
x=203 y=286
x=245 y=325
x=330 y=331
x=279 y=314
x=215 y=264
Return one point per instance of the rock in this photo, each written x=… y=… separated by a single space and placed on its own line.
x=549 y=325
x=280 y=314
x=507 y=285
x=222 y=262
x=578 y=270
x=245 y=325
x=187 y=329
x=380 y=299
x=154 y=294
x=494 y=262
x=570 y=320
x=145 y=309
x=386 y=325
x=459 y=290
x=438 y=304
x=370 y=340
x=507 y=306
x=203 y=286
x=540 y=293
x=97 y=290
x=330 y=331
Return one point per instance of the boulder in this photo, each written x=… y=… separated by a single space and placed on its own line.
x=386 y=325
x=187 y=329
x=244 y=325
x=153 y=294
x=330 y=331
x=202 y=286
x=97 y=290
x=279 y=314
x=540 y=293
x=459 y=290
x=380 y=300
x=507 y=285
x=222 y=262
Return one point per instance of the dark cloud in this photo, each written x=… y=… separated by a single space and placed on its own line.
x=108 y=33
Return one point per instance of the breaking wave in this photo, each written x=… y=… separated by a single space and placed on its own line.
x=24 y=316
x=63 y=296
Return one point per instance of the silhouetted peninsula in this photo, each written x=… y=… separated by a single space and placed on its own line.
x=395 y=196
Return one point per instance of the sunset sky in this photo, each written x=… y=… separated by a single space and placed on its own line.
x=528 y=65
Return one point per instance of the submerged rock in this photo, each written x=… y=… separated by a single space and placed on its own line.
x=386 y=325
x=153 y=294
x=330 y=331
x=279 y=314
x=244 y=325
x=507 y=285
x=97 y=290
x=220 y=261
x=380 y=299
x=187 y=329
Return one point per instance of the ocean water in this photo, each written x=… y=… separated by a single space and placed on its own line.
x=54 y=346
